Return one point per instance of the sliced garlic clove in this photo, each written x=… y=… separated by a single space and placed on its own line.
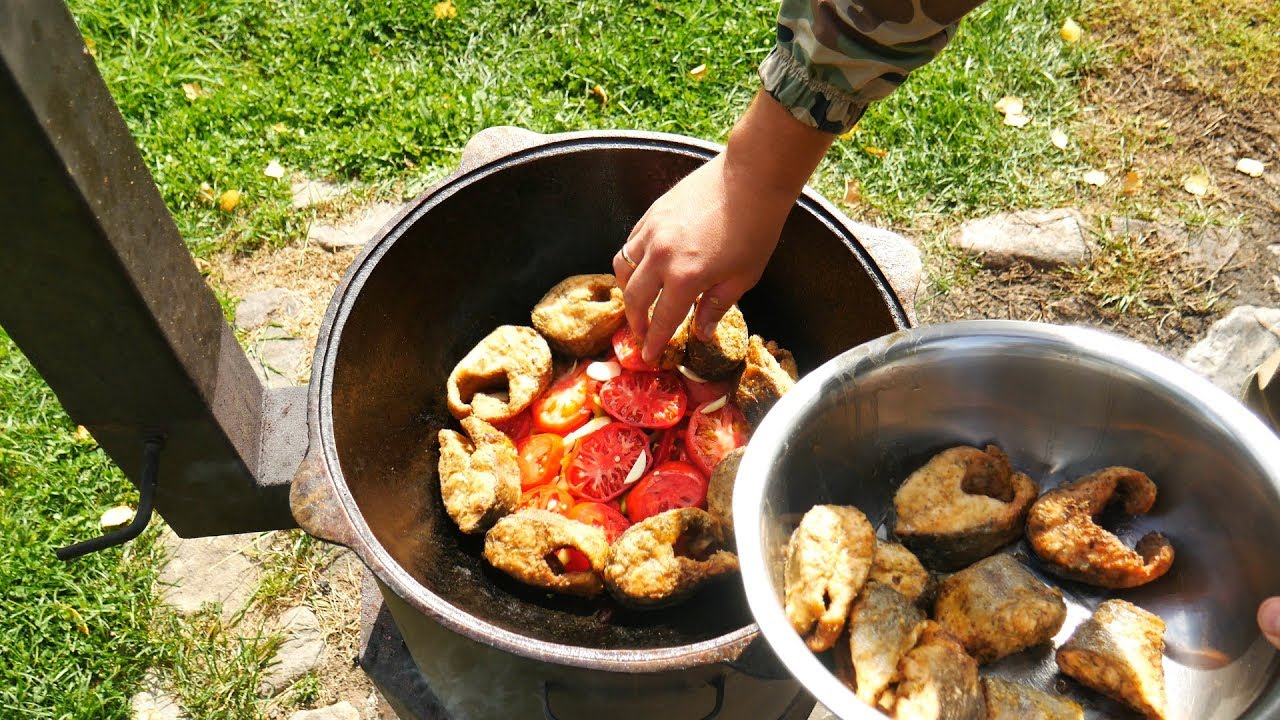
x=604 y=371
x=637 y=470
x=715 y=405
x=693 y=376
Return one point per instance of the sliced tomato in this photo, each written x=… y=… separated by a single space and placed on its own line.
x=566 y=405
x=670 y=485
x=518 y=427
x=568 y=560
x=667 y=442
x=597 y=469
x=539 y=457
x=547 y=497
x=706 y=392
x=715 y=434
x=645 y=399
x=627 y=347
x=603 y=516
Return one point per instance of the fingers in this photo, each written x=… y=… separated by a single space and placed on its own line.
x=641 y=289
x=1269 y=620
x=622 y=269
x=712 y=306
x=673 y=305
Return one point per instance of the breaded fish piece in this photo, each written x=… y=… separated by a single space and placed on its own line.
x=479 y=476
x=996 y=607
x=665 y=558
x=1015 y=701
x=723 y=354
x=962 y=506
x=899 y=568
x=828 y=559
x=883 y=627
x=1063 y=533
x=720 y=490
x=939 y=681
x=580 y=314
x=768 y=373
x=1118 y=652
x=528 y=546
x=500 y=376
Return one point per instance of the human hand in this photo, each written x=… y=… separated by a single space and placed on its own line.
x=1269 y=620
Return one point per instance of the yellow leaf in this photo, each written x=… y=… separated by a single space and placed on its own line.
x=878 y=152
x=601 y=94
x=274 y=170
x=193 y=91
x=75 y=617
x=1058 y=138
x=1009 y=105
x=1131 y=184
x=852 y=191
x=1070 y=31
x=849 y=133
x=206 y=192
x=116 y=517
x=91 y=46
x=445 y=10
x=699 y=73
x=229 y=200
x=1250 y=167
x=82 y=434
x=280 y=128
x=1095 y=177
x=1196 y=184
x=1016 y=120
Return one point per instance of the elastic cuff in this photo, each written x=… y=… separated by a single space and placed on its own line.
x=816 y=103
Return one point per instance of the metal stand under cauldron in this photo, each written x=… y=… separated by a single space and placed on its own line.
x=102 y=296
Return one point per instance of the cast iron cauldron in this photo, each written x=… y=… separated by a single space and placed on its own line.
x=477 y=251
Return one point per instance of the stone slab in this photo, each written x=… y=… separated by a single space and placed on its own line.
x=211 y=570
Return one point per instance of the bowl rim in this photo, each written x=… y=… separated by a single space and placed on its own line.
x=770 y=439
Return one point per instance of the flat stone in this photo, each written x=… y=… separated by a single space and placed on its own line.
x=820 y=712
x=1044 y=238
x=355 y=231
x=1211 y=246
x=342 y=711
x=898 y=258
x=314 y=192
x=1236 y=345
x=279 y=360
x=259 y=308
x=211 y=570
x=154 y=706
x=301 y=651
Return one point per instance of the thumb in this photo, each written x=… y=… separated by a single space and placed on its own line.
x=1269 y=620
x=712 y=306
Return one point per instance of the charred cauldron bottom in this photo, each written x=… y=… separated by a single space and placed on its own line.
x=478 y=251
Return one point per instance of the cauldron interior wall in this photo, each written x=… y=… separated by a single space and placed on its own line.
x=481 y=257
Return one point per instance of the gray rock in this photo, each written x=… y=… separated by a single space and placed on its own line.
x=150 y=705
x=208 y=570
x=342 y=711
x=301 y=651
x=1045 y=238
x=1236 y=345
x=313 y=192
x=257 y=309
x=820 y=712
x=897 y=257
x=1209 y=246
x=355 y=231
x=279 y=360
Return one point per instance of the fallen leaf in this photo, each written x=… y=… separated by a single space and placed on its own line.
x=1250 y=167
x=206 y=192
x=1131 y=184
x=445 y=10
x=1009 y=105
x=852 y=191
x=849 y=133
x=193 y=91
x=116 y=516
x=75 y=617
x=280 y=128
x=1058 y=138
x=82 y=434
x=600 y=93
x=1196 y=184
x=1016 y=120
x=1095 y=177
x=699 y=72
x=229 y=200
x=91 y=46
x=878 y=152
x=204 y=266
x=1070 y=31
x=273 y=170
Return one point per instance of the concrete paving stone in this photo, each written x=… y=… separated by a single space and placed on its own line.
x=301 y=651
x=201 y=571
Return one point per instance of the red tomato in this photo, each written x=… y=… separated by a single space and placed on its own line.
x=668 y=441
x=645 y=399
x=671 y=485
x=547 y=497
x=627 y=348
x=713 y=435
x=539 y=457
x=706 y=392
x=566 y=405
x=602 y=516
x=518 y=427
x=571 y=559
x=597 y=470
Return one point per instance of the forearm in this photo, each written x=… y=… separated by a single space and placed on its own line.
x=770 y=154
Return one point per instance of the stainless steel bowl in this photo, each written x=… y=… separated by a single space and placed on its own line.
x=1061 y=402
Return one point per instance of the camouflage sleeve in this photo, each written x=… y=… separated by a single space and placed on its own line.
x=834 y=57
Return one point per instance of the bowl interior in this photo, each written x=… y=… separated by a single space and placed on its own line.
x=1061 y=403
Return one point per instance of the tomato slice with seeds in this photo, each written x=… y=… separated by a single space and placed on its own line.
x=645 y=399
x=547 y=497
x=518 y=427
x=597 y=469
x=671 y=485
x=628 y=349
x=539 y=457
x=566 y=405
x=713 y=435
x=603 y=516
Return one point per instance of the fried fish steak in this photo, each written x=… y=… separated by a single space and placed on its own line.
x=767 y=374
x=720 y=490
x=899 y=568
x=665 y=558
x=580 y=314
x=1063 y=532
x=1015 y=701
x=528 y=546
x=962 y=506
x=996 y=607
x=1118 y=653
x=479 y=476
x=939 y=681
x=883 y=627
x=500 y=376
x=723 y=354
x=827 y=562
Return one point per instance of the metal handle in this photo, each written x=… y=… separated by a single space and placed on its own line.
x=314 y=501
x=150 y=475
x=717 y=683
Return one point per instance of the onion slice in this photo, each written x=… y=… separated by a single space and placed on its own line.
x=592 y=425
x=637 y=470
x=604 y=371
x=715 y=405
x=693 y=376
